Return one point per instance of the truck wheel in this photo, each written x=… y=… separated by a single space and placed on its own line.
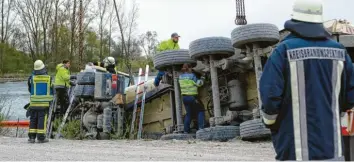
x=176 y=136
x=347 y=40
x=218 y=133
x=253 y=129
x=166 y=59
x=154 y=135
x=78 y=90
x=263 y=34
x=84 y=91
x=86 y=78
x=220 y=47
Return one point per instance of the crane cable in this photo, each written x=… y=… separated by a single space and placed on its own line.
x=240 y=13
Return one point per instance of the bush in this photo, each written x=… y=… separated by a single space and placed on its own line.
x=71 y=129
x=5 y=111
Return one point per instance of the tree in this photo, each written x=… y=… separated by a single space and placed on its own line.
x=127 y=25
x=6 y=26
x=148 y=42
x=102 y=8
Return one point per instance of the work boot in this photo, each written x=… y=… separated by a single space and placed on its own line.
x=43 y=141
x=31 y=140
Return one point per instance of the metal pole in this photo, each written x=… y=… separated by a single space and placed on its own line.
x=258 y=70
x=18 y=121
x=178 y=102
x=215 y=87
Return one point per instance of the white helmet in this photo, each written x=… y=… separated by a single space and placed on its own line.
x=38 y=65
x=308 y=11
x=109 y=61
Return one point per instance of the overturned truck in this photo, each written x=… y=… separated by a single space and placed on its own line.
x=230 y=94
x=230 y=97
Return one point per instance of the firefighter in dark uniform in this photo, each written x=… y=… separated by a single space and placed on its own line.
x=307 y=83
x=39 y=85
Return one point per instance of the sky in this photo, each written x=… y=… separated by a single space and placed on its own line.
x=194 y=19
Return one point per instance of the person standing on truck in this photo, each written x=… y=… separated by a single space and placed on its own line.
x=40 y=88
x=307 y=83
x=170 y=44
x=62 y=84
x=189 y=89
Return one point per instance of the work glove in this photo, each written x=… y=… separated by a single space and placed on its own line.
x=26 y=106
x=28 y=113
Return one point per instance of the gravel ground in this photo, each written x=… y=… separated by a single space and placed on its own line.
x=236 y=150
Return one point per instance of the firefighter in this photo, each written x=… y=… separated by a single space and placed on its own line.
x=41 y=91
x=109 y=64
x=62 y=84
x=170 y=44
x=306 y=83
x=189 y=89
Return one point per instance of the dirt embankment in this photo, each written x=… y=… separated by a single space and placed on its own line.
x=19 y=149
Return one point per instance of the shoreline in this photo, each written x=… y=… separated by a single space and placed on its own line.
x=5 y=80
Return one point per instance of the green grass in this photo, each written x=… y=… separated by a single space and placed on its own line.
x=71 y=129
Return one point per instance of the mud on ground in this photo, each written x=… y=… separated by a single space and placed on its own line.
x=235 y=150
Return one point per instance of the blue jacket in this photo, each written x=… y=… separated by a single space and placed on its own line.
x=305 y=85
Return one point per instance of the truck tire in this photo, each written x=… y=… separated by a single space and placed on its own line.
x=218 y=133
x=78 y=90
x=84 y=91
x=170 y=58
x=153 y=135
x=176 y=136
x=88 y=91
x=219 y=47
x=253 y=129
x=86 y=78
x=263 y=34
x=347 y=40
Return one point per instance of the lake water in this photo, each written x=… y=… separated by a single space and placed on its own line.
x=15 y=95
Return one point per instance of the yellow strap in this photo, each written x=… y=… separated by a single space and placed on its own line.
x=46 y=98
x=32 y=131
x=41 y=131
x=39 y=104
x=41 y=79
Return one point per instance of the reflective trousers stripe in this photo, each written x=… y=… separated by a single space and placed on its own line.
x=298 y=93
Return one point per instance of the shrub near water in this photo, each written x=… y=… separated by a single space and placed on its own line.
x=5 y=108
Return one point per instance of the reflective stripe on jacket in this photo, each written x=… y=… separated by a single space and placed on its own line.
x=189 y=84
x=304 y=87
x=41 y=91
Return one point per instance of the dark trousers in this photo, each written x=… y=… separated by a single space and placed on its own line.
x=38 y=123
x=191 y=104
x=62 y=99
